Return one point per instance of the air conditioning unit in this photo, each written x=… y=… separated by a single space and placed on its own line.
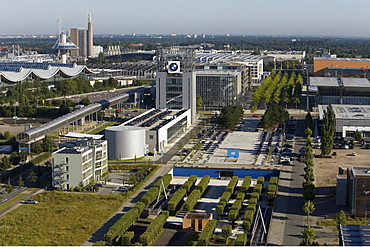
x=173 y=67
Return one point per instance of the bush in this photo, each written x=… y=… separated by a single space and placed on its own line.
x=225 y=196
x=253 y=201
x=166 y=179
x=252 y=207
x=241 y=239
x=154 y=229
x=233 y=215
x=120 y=227
x=270 y=195
x=240 y=196
x=203 y=184
x=232 y=184
x=189 y=183
x=237 y=205
x=220 y=210
x=149 y=197
x=260 y=180
x=274 y=180
x=176 y=199
x=246 y=225
x=206 y=235
x=191 y=200
x=255 y=195
x=126 y=238
x=258 y=188
x=246 y=184
x=249 y=214
x=226 y=231
x=272 y=188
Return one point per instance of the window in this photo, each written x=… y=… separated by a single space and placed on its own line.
x=151 y=137
x=67 y=168
x=66 y=159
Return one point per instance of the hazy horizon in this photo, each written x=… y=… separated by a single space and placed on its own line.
x=316 y=18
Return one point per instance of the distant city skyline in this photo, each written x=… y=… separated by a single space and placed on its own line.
x=219 y=17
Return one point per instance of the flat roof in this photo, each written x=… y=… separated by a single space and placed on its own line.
x=83 y=135
x=355 y=235
x=361 y=171
x=347 y=111
x=342 y=59
x=324 y=81
x=355 y=82
x=217 y=72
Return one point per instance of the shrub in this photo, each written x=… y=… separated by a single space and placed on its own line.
x=121 y=226
x=176 y=199
x=270 y=195
x=240 y=196
x=203 y=184
x=246 y=225
x=237 y=205
x=255 y=195
x=274 y=180
x=258 y=188
x=232 y=184
x=206 y=235
x=166 y=179
x=149 y=197
x=260 y=180
x=253 y=201
x=191 y=200
x=249 y=214
x=246 y=184
x=241 y=239
x=220 y=210
x=126 y=238
x=272 y=188
x=154 y=229
x=233 y=215
x=189 y=183
x=252 y=207
x=225 y=196
x=226 y=231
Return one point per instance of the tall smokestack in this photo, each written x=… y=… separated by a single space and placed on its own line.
x=90 y=40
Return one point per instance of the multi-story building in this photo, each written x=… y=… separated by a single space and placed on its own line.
x=83 y=39
x=175 y=80
x=218 y=88
x=79 y=163
x=341 y=67
x=358 y=190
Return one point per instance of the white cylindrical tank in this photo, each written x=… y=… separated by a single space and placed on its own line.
x=125 y=142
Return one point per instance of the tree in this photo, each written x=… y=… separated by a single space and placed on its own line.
x=309 y=237
x=37 y=148
x=328 y=131
x=358 y=135
x=308 y=208
x=226 y=231
x=85 y=102
x=230 y=116
x=9 y=187
x=309 y=194
x=20 y=181
x=309 y=123
x=5 y=163
x=199 y=102
x=6 y=135
x=341 y=218
x=23 y=155
x=31 y=178
x=273 y=116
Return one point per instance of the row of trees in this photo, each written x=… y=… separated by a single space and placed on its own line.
x=328 y=131
x=279 y=87
x=309 y=236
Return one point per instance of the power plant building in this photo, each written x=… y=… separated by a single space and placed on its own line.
x=83 y=39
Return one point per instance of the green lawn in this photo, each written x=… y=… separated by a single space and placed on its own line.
x=58 y=219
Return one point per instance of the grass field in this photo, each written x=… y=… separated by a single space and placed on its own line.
x=11 y=201
x=58 y=219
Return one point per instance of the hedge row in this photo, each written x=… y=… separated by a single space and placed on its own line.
x=271 y=191
x=274 y=180
x=235 y=208
x=120 y=227
x=224 y=199
x=166 y=179
x=232 y=184
x=246 y=184
x=240 y=196
x=225 y=196
x=150 y=196
x=260 y=180
x=154 y=229
x=258 y=188
x=203 y=184
x=241 y=239
x=189 y=183
x=126 y=238
x=192 y=200
x=176 y=199
x=206 y=235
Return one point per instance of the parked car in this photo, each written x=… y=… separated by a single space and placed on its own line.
x=122 y=189
x=287 y=145
x=30 y=201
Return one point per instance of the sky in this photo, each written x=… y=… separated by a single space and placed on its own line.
x=219 y=17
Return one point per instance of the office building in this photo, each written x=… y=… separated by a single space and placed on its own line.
x=79 y=163
x=358 y=191
x=341 y=67
x=83 y=39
